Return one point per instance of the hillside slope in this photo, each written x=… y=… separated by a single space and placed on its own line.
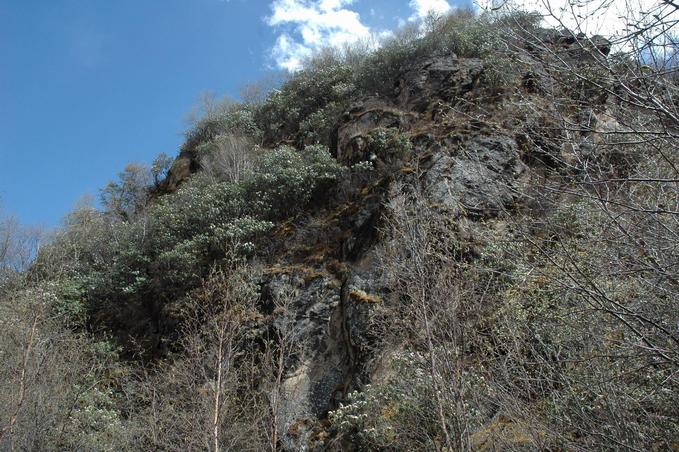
x=463 y=240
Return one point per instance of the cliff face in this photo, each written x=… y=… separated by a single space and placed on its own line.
x=473 y=154
x=462 y=179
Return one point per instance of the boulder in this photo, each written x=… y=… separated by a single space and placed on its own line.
x=181 y=169
x=362 y=118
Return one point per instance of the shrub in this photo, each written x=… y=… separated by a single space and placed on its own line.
x=55 y=383
x=69 y=303
x=236 y=214
x=396 y=414
x=462 y=34
x=160 y=167
x=226 y=118
x=128 y=196
x=377 y=73
x=286 y=180
x=389 y=145
x=197 y=225
x=312 y=97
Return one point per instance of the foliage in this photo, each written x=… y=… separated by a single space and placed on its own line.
x=551 y=326
x=309 y=104
x=561 y=344
x=228 y=158
x=389 y=146
x=128 y=196
x=206 y=394
x=55 y=382
x=287 y=180
x=160 y=167
x=223 y=117
x=18 y=247
x=397 y=414
x=69 y=304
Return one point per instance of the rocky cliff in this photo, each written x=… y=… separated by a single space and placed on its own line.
x=461 y=240
x=473 y=151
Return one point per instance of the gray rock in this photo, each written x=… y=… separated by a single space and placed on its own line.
x=362 y=118
x=437 y=79
x=319 y=363
x=479 y=180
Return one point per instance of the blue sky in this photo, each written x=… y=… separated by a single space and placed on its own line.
x=87 y=86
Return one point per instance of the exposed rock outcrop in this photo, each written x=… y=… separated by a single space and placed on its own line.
x=364 y=117
x=442 y=79
x=470 y=171
x=469 y=159
x=180 y=170
x=476 y=179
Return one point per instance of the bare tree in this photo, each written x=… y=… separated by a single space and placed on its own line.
x=284 y=352
x=421 y=261
x=53 y=382
x=208 y=397
x=623 y=155
x=160 y=167
x=602 y=218
x=129 y=195
x=229 y=158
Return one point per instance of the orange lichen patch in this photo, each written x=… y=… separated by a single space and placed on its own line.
x=320 y=436
x=316 y=250
x=319 y=253
x=285 y=230
x=369 y=188
x=296 y=428
x=500 y=434
x=307 y=273
x=348 y=208
x=250 y=316
x=389 y=411
x=337 y=268
x=360 y=295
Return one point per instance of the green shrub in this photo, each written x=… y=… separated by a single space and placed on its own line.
x=460 y=33
x=230 y=119
x=314 y=97
x=400 y=412
x=284 y=182
x=378 y=72
x=287 y=180
x=69 y=303
x=390 y=146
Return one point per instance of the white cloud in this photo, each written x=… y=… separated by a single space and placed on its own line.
x=309 y=25
x=422 y=8
x=289 y=54
x=604 y=17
